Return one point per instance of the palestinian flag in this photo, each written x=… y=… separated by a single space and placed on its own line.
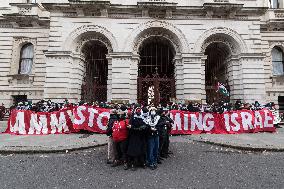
x=222 y=89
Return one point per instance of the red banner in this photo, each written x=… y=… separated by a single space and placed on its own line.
x=232 y=122
x=25 y=122
x=96 y=119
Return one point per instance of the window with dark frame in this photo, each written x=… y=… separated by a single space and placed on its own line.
x=26 y=59
x=277 y=61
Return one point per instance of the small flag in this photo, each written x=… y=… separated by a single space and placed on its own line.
x=222 y=89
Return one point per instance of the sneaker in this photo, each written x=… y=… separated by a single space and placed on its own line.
x=155 y=166
x=133 y=168
x=125 y=166
x=109 y=161
x=152 y=167
x=115 y=163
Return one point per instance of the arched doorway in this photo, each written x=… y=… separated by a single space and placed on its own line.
x=216 y=70
x=156 y=71
x=94 y=85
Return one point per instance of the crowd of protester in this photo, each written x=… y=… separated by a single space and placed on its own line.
x=139 y=134
x=139 y=138
x=218 y=107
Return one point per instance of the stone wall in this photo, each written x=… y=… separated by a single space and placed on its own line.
x=59 y=66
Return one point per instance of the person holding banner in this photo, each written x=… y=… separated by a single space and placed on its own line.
x=136 y=140
x=153 y=138
x=111 y=151
x=120 y=136
x=164 y=126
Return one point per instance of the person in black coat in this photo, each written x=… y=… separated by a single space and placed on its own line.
x=164 y=128
x=136 y=140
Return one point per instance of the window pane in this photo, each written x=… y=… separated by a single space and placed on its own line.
x=26 y=66
x=277 y=61
x=28 y=51
x=26 y=62
x=277 y=54
x=274 y=4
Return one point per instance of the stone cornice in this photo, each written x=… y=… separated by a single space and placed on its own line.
x=228 y=11
x=26 y=15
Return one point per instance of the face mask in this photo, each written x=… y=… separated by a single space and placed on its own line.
x=153 y=113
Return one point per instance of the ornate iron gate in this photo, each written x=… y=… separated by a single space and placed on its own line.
x=94 y=87
x=155 y=89
x=156 y=77
x=215 y=71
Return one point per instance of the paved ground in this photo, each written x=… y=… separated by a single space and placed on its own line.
x=193 y=165
x=53 y=143
x=257 y=141
x=48 y=143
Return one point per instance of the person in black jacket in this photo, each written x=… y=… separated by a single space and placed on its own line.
x=164 y=128
x=111 y=150
x=136 y=140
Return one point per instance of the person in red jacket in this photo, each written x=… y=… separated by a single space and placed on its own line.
x=119 y=136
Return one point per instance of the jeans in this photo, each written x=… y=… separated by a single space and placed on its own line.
x=152 y=150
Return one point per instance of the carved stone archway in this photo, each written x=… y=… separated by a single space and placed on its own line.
x=224 y=35
x=156 y=28
x=72 y=61
x=231 y=46
x=165 y=32
x=82 y=34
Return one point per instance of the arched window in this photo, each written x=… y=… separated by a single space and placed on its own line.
x=26 y=59
x=277 y=61
x=274 y=4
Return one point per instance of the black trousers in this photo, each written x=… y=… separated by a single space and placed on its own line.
x=121 y=150
x=136 y=161
x=164 y=145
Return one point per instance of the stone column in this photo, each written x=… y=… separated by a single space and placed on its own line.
x=192 y=77
x=235 y=78
x=133 y=78
x=77 y=76
x=179 y=77
x=124 y=72
x=58 y=83
x=203 y=89
x=253 y=77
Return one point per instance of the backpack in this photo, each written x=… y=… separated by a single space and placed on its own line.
x=120 y=130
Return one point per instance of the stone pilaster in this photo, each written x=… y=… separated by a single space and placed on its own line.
x=59 y=67
x=235 y=78
x=253 y=77
x=203 y=90
x=124 y=77
x=109 y=79
x=77 y=76
x=192 y=76
x=179 y=76
x=133 y=78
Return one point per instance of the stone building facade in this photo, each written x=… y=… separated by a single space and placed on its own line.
x=237 y=42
